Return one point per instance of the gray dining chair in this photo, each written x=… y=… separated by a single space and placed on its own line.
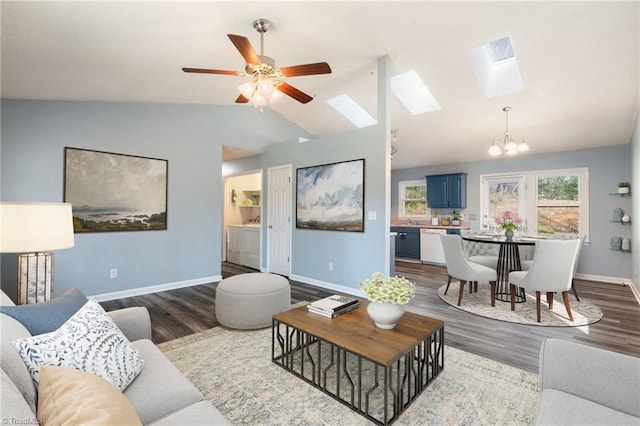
x=551 y=271
x=483 y=253
x=458 y=267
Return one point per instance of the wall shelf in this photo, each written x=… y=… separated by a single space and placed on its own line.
x=619 y=222
x=621 y=250
x=628 y=194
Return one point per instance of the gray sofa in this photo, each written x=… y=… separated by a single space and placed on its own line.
x=160 y=394
x=583 y=385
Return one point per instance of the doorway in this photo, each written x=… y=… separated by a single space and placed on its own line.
x=279 y=220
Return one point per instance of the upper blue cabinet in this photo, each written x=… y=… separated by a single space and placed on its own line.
x=447 y=191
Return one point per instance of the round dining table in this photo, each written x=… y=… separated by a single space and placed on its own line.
x=508 y=260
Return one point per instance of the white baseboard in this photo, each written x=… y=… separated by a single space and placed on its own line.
x=329 y=286
x=155 y=288
x=604 y=279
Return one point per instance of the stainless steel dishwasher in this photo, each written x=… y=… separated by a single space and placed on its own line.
x=431 y=250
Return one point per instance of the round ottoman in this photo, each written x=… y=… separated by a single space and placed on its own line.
x=248 y=301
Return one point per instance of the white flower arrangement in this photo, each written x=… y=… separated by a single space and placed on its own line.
x=381 y=289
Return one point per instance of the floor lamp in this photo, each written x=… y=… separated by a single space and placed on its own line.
x=34 y=229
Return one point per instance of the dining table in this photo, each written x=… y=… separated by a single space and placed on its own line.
x=508 y=260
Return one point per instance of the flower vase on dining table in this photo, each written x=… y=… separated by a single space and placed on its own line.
x=509 y=234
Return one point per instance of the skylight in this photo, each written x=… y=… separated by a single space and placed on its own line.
x=496 y=68
x=413 y=93
x=352 y=111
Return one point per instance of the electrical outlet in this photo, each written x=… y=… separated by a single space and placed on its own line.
x=331 y=266
x=113 y=273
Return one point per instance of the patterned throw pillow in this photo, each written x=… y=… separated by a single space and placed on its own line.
x=89 y=341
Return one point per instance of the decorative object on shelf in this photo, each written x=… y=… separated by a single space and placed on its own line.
x=234 y=196
x=626 y=218
x=616 y=243
x=386 y=296
x=509 y=146
x=256 y=199
x=626 y=244
x=35 y=229
x=623 y=187
x=247 y=202
x=617 y=215
x=456 y=217
x=508 y=222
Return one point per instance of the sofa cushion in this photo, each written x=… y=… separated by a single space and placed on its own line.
x=561 y=408
x=12 y=363
x=88 y=341
x=40 y=318
x=72 y=397
x=160 y=389
x=12 y=403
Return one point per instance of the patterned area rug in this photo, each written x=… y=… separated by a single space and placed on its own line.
x=233 y=369
x=584 y=313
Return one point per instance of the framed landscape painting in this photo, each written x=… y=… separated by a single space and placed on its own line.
x=331 y=196
x=115 y=192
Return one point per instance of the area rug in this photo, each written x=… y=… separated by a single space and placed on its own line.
x=233 y=369
x=479 y=303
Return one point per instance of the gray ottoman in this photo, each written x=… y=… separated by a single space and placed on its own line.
x=248 y=301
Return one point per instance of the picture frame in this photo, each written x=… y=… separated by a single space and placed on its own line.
x=115 y=192
x=330 y=197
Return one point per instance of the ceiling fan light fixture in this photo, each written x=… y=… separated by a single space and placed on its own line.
x=247 y=89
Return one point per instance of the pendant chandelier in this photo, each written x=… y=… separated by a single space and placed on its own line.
x=509 y=146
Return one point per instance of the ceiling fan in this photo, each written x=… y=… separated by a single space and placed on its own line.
x=267 y=85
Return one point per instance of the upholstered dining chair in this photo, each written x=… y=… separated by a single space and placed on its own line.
x=551 y=271
x=465 y=271
x=567 y=236
x=483 y=253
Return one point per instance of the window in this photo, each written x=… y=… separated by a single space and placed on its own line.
x=548 y=201
x=412 y=198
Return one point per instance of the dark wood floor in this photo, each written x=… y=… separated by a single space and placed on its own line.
x=180 y=312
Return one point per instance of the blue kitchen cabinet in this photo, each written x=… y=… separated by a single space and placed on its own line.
x=407 y=242
x=447 y=191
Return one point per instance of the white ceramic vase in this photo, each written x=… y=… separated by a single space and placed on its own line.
x=385 y=315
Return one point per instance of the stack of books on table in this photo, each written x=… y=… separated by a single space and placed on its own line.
x=333 y=306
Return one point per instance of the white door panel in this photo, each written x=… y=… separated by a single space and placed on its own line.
x=279 y=221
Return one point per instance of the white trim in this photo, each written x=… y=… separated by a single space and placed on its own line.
x=604 y=279
x=155 y=288
x=329 y=286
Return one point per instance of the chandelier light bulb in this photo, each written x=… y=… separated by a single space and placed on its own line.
x=495 y=150
x=523 y=147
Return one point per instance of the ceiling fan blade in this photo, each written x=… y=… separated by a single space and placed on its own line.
x=206 y=71
x=296 y=94
x=241 y=99
x=306 y=69
x=244 y=47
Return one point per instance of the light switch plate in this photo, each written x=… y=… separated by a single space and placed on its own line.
x=372 y=215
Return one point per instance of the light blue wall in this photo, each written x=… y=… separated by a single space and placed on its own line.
x=34 y=134
x=607 y=167
x=635 y=190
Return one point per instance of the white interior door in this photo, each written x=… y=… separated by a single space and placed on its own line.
x=279 y=220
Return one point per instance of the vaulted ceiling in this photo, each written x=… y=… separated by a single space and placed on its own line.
x=579 y=63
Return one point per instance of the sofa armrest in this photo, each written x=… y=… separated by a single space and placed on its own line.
x=608 y=378
x=134 y=322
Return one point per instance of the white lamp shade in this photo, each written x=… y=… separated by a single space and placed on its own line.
x=35 y=227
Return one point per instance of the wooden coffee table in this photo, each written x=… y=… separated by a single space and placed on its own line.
x=377 y=373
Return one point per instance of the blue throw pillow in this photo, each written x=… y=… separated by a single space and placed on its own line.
x=48 y=316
